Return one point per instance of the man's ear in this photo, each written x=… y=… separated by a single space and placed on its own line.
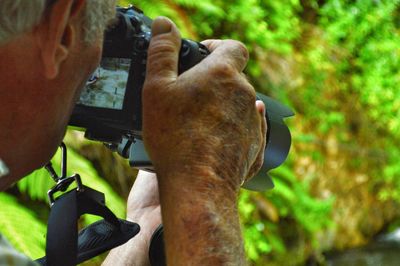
x=58 y=33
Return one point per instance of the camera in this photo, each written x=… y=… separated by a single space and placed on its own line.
x=109 y=108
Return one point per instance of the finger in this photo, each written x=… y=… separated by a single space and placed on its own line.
x=211 y=44
x=259 y=160
x=145 y=179
x=229 y=51
x=163 y=52
x=144 y=191
x=144 y=175
x=260 y=106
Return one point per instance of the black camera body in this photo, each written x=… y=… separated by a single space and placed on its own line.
x=113 y=111
x=110 y=106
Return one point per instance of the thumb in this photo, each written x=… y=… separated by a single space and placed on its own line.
x=163 y=52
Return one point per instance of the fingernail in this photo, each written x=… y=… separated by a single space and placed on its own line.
x=161 y=25
x=262 y=106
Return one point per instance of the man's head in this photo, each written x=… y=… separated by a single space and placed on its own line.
x=47 y=49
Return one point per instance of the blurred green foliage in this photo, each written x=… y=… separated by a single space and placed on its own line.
x=335 y=62
x=290 y=204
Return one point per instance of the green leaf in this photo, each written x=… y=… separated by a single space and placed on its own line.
x=21 y=227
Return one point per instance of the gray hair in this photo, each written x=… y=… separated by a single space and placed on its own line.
x=19 y=16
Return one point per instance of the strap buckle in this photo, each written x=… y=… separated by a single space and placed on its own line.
x=63 y=181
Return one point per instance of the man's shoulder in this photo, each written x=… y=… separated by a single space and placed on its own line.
x=10 y=256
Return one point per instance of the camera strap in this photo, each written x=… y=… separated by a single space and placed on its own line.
x=64 y=245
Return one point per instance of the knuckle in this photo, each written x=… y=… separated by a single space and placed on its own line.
x=161 y=46
x=249 y=93
x=237 y=51
x=241 y=50
x=156 y=64
x=162 y=53
x=151 y=83
x=223 y=70
x=212 y=44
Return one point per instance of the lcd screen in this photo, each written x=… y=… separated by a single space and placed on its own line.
x=107 y=86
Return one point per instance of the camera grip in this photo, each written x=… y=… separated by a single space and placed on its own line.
x=191 y=54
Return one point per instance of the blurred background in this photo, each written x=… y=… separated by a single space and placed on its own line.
x=336 y=199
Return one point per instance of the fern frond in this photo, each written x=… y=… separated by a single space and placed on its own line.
x=36 y=185
x=21 y=227
x=39 y=182
x=90 y=177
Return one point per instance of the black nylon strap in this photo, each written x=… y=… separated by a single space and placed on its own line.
x=64 y=247
x=62 y=235
x=91 y=201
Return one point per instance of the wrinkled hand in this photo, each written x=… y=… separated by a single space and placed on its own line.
x=206 y=119
x=143 y=208
x=144 y=204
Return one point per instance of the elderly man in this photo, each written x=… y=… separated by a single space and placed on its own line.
x=203 y=130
